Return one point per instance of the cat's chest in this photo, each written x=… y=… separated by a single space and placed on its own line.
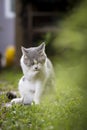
x=26 y=86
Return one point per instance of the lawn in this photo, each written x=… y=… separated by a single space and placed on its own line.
x=65 y=110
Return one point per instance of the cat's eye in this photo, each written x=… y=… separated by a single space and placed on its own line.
x=32 y=63
x=42 y=57
x=42 y=61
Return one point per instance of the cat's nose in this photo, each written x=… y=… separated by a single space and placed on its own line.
x=36 y=68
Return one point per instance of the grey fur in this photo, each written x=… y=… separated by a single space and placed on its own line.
x=36 y=53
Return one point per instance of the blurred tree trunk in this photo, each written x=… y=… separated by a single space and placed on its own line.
x=19 y=32
x=23 y=27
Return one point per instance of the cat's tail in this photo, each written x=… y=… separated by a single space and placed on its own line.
x=11 y=95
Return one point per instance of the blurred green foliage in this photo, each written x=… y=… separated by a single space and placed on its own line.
x=67 y=109
x=73 y=32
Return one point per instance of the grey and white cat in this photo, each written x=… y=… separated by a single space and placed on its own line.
x=38 y=72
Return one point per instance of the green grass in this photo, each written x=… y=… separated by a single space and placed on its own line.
x=65 y=110
x=9 y=79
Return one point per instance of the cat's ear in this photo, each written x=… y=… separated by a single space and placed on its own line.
x=41 y=47
x=24 y=50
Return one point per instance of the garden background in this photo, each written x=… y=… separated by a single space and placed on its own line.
x=67 y=109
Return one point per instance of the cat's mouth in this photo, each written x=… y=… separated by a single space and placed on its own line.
x=36 y=70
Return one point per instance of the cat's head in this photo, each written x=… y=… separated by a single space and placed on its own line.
x=34 y=58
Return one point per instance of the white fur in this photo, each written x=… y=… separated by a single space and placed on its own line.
x=32 y=84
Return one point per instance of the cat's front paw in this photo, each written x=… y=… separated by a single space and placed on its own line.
x=36 y=102
x=13 y=101
x=17 y=101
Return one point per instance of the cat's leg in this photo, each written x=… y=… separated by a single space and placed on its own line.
x=37 y=99
x=17 y=101
x=37 y=95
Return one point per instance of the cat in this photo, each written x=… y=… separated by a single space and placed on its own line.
x=38 y=72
